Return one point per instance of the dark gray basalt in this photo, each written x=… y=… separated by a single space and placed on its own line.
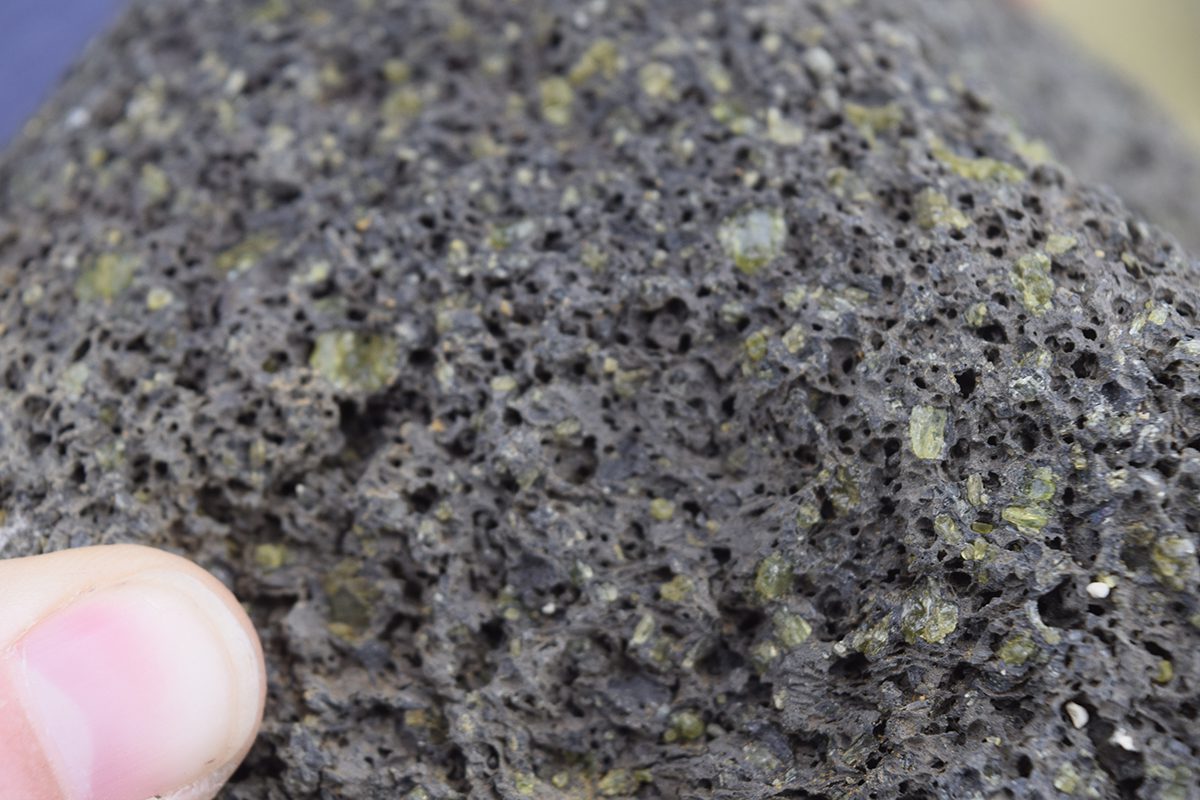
x=658 y=399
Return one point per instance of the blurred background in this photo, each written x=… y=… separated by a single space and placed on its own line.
x=38 y=40
x=1152 y=41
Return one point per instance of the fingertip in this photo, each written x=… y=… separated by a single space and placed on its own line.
x=148 y=678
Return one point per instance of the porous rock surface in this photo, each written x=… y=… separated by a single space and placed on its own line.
x=647 y=399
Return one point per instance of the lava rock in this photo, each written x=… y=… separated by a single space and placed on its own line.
x=632 y=398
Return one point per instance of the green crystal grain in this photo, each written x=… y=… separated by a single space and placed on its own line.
x=773 y=578
x=355 y=362
x=754 y=238
x=928 y=615
x=1031 y=278
x=927 y=431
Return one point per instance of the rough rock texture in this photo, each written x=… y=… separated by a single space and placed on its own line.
x=649 y=399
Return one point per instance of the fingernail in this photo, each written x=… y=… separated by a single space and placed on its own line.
x=138 y=689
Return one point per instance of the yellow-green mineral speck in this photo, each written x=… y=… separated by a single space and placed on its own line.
x=247 y=253
x=351 y=598
x=975 y=551
x=1156 y=314
x=1041 y=485
x=1173 y=561
x=1035 y=151
x=928 y=616
x=602 y=58
x=317 y=272
x=1017 y=649
x=525 y=783
x=946 y=528
x=1058 y=244
x=933 y=209
x=977 y=315
x=503 y=384
x=807 y=515
x=844 y=494
x=657 y=80
x=557 y=97
x=642 y=631
x=159 y=298
x=756 y=345
x=1031 y=277
x=872 y=640
x=977 y=169
x=872 y=121
x=792 y=630
x=593 y=257
x=271 y=11
x=396 y=71
x=1026 y=518
x=503 y=236
x=794 y=339
x=33 y=295
x=782 y=131
x=154 y=183
x=108 y=276
x=764 y=654
x=975 y=495
x=927 y=431
x=732 y=116
x=74 y=380
x=773 y=578
x=677 y=589
x=1067 y=779
x=568 y=429
x=718 y=77
x=753 y=238
x=356 y=362
x=270 y=556
x=619 y=783
x=400 y=107
x=685 y=726
x=662 y=509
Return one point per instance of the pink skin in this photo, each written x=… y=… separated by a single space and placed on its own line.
x=22 y=765
x=125 y=673
x=127 y=690
x=96 y=666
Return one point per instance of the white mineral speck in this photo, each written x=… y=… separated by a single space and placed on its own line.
x=1098 y=590
x=820 y=62
x=1122 y=739
x=78 y=117
x=1077 y=713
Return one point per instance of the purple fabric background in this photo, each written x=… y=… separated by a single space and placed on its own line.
x=39 y=39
